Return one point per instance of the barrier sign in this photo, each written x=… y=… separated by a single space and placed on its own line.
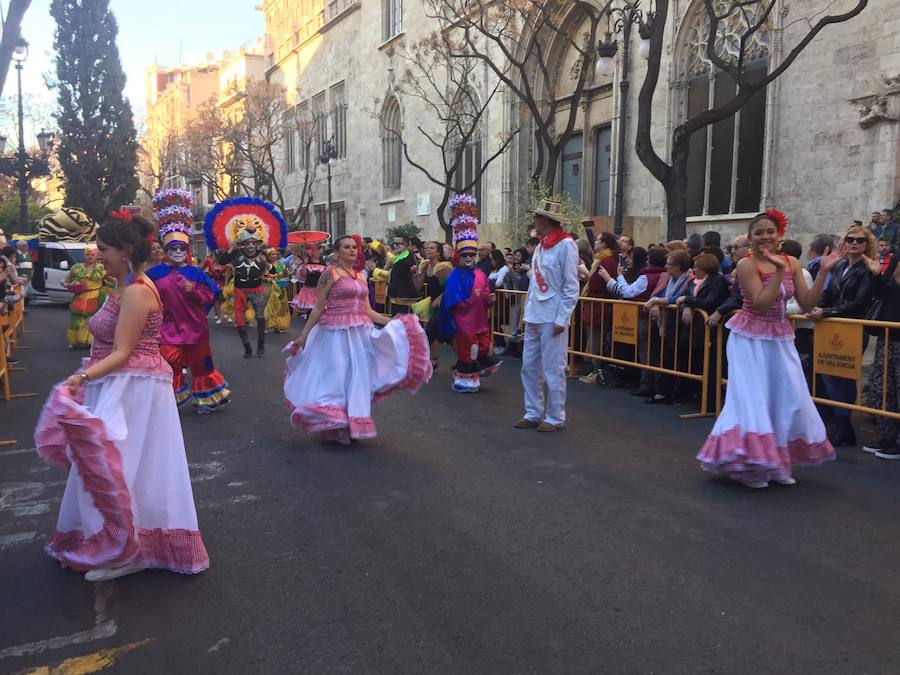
x=380 y=292
x=837 y=350
x=625 y=324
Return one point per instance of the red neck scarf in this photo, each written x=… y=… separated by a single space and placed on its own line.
x=556 y=235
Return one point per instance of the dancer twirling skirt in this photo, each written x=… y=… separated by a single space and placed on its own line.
x=769 y=421
x=128 y=503
x=340 y=364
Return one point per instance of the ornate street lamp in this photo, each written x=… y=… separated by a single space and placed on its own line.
x=43 y=138
x=20 y=164
x=329 y=154
x=625 y=18
x=20 y=53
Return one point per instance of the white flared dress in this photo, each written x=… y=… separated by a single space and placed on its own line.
x=348 y=364
x=128 y=497
x=769 y=421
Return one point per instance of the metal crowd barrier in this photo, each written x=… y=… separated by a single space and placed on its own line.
x=837 y=351
x=613 y=331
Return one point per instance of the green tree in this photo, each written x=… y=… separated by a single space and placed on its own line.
x=409 y=230
x=97 y=147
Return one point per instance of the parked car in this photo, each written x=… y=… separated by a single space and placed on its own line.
x=54 y=260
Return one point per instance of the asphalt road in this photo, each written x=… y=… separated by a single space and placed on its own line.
x=455 y=544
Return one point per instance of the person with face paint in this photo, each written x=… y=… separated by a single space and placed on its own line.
x=341 y=363
x=467 y=297
x=187 y=294
x=85 y=280
x=249 y=265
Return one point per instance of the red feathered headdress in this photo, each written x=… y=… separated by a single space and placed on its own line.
x=360 y=263
x=781 y=221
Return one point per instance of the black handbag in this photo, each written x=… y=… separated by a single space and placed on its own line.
x=874 y=314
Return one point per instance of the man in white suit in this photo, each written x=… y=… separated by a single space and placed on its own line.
x=552 y=295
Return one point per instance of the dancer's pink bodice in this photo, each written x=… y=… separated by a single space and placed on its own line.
x=145 y=358
x=772 y=324
x=346 y=304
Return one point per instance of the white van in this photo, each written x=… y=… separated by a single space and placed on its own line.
x=55 y=259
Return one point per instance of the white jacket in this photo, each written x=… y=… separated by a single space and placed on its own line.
x=553 y=291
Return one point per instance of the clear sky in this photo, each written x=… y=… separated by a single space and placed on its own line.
x=165 y=31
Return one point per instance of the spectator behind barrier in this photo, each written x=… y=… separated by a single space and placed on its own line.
x=662 y=343
x=848 y=294
x=595 y=335
x=706 y=292
x=886 y=287
x=821 y=244
x=655 y=271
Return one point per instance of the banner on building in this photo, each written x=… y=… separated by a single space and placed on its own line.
x=837 y=350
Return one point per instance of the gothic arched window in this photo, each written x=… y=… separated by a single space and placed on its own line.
x=725 y=167
x=391 y=144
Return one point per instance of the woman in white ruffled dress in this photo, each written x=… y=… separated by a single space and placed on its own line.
x=341 y=363
x=128 y=503
x=769 y=421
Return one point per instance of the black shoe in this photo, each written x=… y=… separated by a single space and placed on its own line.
x=890 y=452
x=643 y=393
x=260 y=348
x=657 y=401
x=844 y=435
x=248 y=351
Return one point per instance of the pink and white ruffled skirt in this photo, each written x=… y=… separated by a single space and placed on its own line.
x=305 y=299
x=330 y=385
x=769 y=421
x=128 y=496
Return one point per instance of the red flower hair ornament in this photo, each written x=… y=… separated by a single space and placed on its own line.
x=122 y=214
x=781 y=221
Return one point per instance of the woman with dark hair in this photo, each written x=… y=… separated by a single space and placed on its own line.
x=631 y=283
x=341 y=364
x=128 y=503
x=769 y=421
x=596 y=318
x=499 y=269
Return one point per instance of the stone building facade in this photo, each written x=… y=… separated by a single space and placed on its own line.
x=822 y=144
x=342 y=58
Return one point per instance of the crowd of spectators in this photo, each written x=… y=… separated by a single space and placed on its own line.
x=681 y=285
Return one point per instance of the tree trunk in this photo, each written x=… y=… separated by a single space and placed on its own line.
x=548 y=179
x=676 y=192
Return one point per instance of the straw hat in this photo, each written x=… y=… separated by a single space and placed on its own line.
x=551 y=209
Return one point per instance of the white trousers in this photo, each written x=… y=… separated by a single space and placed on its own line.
x=544 y=365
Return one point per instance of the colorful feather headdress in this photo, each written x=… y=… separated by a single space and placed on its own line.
x=464 y=220
x=244 y=218
x=174 y=212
